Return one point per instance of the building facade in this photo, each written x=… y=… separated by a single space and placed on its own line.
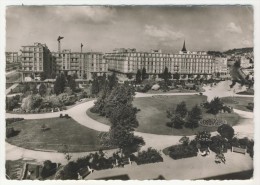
x=129 y=61
x=11 y=57
x=221 y=67
x=84 y=64
x=37 y=61
x=245 y=62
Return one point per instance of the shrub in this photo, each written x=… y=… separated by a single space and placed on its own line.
x=149 y=156
x=226 y=131
x=250 y=106
x=12 y=102
x=11 y=132
x=48 y=169
x=218 y=144
x=182 y=151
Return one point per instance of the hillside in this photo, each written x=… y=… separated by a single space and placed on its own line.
x=230 y=52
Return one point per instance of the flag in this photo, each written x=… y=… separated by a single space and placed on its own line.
x=81 y=45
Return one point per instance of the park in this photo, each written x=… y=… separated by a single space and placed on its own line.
x=75 y=124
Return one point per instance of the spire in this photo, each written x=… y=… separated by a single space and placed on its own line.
x=184 y=48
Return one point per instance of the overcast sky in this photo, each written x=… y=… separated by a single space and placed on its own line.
x=102 y=28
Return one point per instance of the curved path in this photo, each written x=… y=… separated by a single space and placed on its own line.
x=78 y=113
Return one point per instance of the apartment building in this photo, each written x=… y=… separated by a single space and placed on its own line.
x=221 y=67
x=11 y=57
x=128 y=61
x=84 y=64
x=37 y=61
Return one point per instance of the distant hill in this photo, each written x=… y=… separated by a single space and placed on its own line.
x=238 y=51
x=230 y=52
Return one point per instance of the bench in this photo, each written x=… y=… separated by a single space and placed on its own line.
x=238 y=150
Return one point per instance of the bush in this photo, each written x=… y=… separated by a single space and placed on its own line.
x=149 y=156
x=182 y=151
x=244 y=143
x=12 y=102
x=11 y=132
x=48 y=169
x=218 y=144
x=226 y=131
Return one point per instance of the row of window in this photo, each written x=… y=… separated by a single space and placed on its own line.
x=156 y=55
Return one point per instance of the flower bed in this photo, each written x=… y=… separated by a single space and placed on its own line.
x=212 y=122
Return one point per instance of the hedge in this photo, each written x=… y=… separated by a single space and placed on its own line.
x=149 y=156
x=182 y=151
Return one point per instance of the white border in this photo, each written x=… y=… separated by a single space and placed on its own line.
x=255 y=3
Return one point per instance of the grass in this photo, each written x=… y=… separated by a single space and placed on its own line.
x=238 y=102
x=13 y=77
x=153 y=118
x=62 y=131
x=247 y=92
x=171 y=91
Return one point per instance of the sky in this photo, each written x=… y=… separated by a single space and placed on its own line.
x=104 y=28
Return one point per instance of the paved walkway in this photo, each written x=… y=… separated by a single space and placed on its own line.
x=7 y=91
x=182 y=169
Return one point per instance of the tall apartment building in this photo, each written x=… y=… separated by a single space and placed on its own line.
x=37 y=60
x=221 y=66
x=11 y=57
x=125 y=62
x=84 y=64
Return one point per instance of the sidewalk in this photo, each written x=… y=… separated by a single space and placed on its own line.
x=182 y=169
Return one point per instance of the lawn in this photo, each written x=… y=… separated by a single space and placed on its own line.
x=239 y=102
x=171 y=91
x=153 y=118
x=13 y=77
x=62 y=131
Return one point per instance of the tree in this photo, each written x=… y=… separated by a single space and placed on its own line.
x=34 y=88
x=144 y=74
x=48 y=169
x=72 y=83
x=42 y=89
x=138 y=76
x=166 y=75
x=95 y=85
x=203 y=138
x=112 y=81
x=60 y=84
x=176 y=76
x=178 y=121
x=43 y=76
x=215 y=106
x=75 y=75
x=122 y=115
x=123 y=94
x=185 y=140
x=181 y=109
x=84 y=76
x=26 y=88
x=226 y=131
x=193 y=117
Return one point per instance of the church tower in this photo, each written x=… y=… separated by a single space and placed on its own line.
x=184 y=48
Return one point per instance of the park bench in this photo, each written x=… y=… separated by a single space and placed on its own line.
x=238 y=150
